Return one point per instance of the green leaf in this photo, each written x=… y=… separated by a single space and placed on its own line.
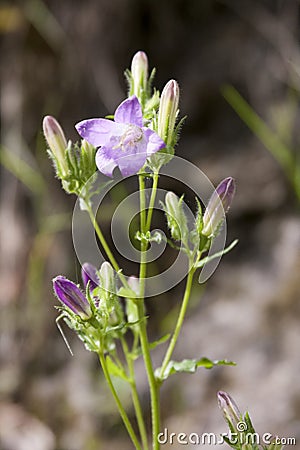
x=208 y=363
x=162 y=340
x=115 y=370
x=126 y=292
x=189 y=366
x=207 y=259
x=268 y=137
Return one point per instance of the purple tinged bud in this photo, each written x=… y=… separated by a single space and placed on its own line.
x=71 y=296
x=168 y=110
x=139 y=72
x=229 y=408
x=57 y=142
x=218 y=205
x=89 y=274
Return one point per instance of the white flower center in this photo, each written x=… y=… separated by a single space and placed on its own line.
x=133 y=134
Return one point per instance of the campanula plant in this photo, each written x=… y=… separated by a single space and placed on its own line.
x=139 y=139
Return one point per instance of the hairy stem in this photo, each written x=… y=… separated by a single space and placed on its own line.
x=135 y=396
x=154 y=391
x=122 y=411
x=105 y=245
x=179 y=322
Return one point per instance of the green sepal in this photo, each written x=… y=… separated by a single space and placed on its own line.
x=116 y=370
x=152 y=345
x=228 y=441
x=196 y=232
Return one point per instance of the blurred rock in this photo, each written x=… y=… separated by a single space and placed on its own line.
x=21 y=431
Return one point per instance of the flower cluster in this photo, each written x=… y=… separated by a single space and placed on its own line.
x=95 y=315
x=138 y=139
x=206 y=226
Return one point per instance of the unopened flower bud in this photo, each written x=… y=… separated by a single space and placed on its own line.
x=89 y=274
x=229 y=409
x=218 y=205
x=107 y=278
x=177 y=221
x=168 y=110
x=131 y=306
x=139 y=71
x=57 y=143
x=71 y=296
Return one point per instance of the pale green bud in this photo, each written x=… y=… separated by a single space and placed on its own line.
x=168 y=111
x=131 y=306
x=139 y=72
x=177 y=220
x=107 y=278
x=57 y=144
x=109 y=302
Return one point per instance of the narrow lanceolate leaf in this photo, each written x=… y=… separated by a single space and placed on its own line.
x=115 y=370
x=207 y=259
x=190 y=366
x=152 y=345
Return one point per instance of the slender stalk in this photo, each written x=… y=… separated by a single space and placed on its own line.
x=105 y=245
x=179 y=322
x=152 y=200
x=118 y=402
x=154 y=391
x=135 y=396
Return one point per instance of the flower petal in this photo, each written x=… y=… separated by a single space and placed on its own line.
x=98 y=131
x=131 y=164
x=105 y=162
x=130 y=112
x=89 y=274
x=155 y=143
x=71 y=296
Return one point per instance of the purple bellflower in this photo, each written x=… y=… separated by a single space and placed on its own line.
x=124 y=142
x=89 y=274
x=219 y=203
x=71 y=296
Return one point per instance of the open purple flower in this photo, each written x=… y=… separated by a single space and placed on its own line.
x=124 y=142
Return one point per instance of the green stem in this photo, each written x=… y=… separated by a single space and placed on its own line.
x=154 y=391
x=135 y=396
x=180 y=320
x=152 y=200
x=118 y=402
x=105 y=245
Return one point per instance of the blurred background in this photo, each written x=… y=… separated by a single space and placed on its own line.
x=67 y=59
